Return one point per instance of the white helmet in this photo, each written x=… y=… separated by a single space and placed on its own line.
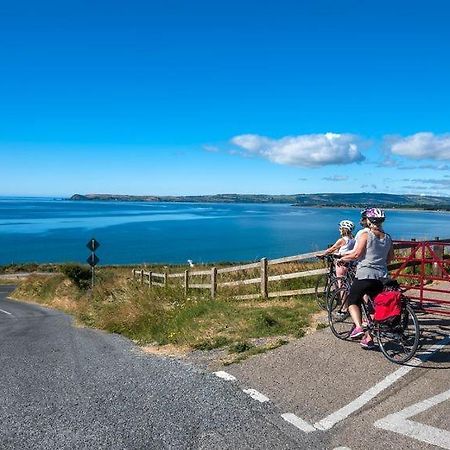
x=346 y=225
x=375 y=215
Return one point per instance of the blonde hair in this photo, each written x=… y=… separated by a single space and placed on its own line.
x=345 y=232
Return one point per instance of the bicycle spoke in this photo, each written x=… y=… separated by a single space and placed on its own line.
x=341 y=323
x=399 y=342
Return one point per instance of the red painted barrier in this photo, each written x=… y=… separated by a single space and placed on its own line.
x=423 y=269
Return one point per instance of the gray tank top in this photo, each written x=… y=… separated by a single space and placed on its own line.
x=373 y=265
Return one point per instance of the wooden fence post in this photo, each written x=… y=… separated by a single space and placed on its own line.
x=186 y=282
x=213 y=282
x=150 y=279
x=165 y=279
x=142 y=276
x=439 y=252
x=264 y=278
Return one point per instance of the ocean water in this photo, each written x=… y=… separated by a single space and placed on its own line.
x=47 y=230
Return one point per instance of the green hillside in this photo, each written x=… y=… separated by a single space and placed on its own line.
x=331 y=200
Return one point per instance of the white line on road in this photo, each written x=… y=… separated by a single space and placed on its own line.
x=363 y=399
x=256 y=395
x=336 y=417
x=6 y=312
x=399 y=424
x=225 y=375
x=297 y=422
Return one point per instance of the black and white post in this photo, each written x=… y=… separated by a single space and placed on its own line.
x=93 y=259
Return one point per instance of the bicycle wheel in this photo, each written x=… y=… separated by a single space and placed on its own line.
x=321 y=289
x=340 y=322
x=399 y=342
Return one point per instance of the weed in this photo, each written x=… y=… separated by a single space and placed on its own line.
x=300 y=333
x=240 y=347
x=218 y=342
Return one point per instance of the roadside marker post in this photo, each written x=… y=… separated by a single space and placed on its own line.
x=93 y=259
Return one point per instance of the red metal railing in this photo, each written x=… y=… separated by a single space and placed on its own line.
x=417 y=265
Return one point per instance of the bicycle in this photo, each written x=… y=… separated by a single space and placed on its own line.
x=328 y=283
x=398 y=339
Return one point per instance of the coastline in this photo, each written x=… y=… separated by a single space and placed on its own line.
x=320 y=200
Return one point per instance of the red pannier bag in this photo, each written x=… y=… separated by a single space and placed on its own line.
x=388 y=305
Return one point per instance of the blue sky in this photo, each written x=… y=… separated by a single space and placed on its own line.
x=202 y=97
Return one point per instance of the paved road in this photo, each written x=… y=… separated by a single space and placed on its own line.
x=355 y=398
x=67 y=387
x=63 y=387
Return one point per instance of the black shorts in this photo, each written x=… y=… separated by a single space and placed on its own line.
x=361 y=287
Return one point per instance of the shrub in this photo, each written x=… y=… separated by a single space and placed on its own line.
x=78 y=274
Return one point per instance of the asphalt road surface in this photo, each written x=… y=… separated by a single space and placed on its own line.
x=63 y=387
x=73 y=388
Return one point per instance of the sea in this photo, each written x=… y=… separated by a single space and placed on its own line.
x=47 y=230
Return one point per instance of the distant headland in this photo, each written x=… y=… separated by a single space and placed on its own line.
x=357 y=200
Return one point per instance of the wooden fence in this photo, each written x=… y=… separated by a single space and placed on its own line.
x=263 y=279
x=187 y=278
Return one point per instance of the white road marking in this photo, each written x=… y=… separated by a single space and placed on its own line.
x=6 y=312
x=225 y=375
x=256 y=395
x=331 y=420
x=341 y=414
x=399 y=423
x=297 y=422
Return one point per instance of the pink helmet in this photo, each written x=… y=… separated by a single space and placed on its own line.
x=375 y=215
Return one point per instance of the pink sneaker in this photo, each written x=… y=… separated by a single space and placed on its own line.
x=367 y=343
x=356 y=333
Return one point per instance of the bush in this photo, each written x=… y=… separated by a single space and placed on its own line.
x=79 y=275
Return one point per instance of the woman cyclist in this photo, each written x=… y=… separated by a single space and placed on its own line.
x=373 y=251
x=343 y=245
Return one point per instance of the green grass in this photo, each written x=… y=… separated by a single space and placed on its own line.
x=122 y=305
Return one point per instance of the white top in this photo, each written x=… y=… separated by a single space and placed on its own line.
x=348 y=246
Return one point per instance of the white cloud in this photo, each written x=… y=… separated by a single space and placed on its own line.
x=432 y=167
x=336 y=178
x=423 y=145
x=310 y=150
x=211 y=149
x=441 y=182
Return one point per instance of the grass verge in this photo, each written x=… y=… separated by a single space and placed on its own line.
x=162 y=316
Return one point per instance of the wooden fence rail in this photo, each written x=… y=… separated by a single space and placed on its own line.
x=190 y=279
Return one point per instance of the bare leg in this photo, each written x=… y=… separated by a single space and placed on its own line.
x=355 y=312
x=340 y=273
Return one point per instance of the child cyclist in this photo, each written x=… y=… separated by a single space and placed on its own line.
x=343 y=245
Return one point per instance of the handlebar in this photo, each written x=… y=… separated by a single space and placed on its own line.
x=329 y=258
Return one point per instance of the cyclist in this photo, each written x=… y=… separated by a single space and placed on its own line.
x=363 y=222
x=343 y=245
x=373 y=251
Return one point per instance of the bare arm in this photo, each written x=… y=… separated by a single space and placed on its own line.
x=390 y=256
x=358 y=251
x=336 y=246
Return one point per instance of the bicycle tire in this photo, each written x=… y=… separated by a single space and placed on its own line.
x=399 y=343
x=320 y=289
x=341 y=325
